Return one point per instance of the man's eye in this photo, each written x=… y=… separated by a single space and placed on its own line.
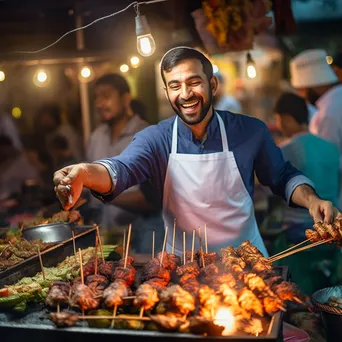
x=195 y=84
x=175 y=87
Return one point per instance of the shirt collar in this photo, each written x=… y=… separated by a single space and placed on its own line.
x=328 y=96
x=184 y=130
x=132 y=126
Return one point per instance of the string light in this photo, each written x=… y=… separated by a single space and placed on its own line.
x=124 y=68
x=250 y=67
x=40 y=78
x=2 y=76
x=16 y=112
x=86 y=74
x=135 y=61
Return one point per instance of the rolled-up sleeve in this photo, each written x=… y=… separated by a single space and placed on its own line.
x=133 y=166
x=273 y=171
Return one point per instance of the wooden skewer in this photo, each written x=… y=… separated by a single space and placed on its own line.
x=100 y=244
x=193 y=245
x=124 y=244
x=153 y=242
x=184 y=256
x=96 y=257
x=173 y=236
x=301 y=249
x=58 y=308
x=41 y=263
x=270 y=327
x=201 y=249
x=128 y=241
x=81 y=265
x=114 y=316
x=117 y=318
x=141 y=312
x=289 y=249
x=164 y=245
x=205 y=238
x=74 y=242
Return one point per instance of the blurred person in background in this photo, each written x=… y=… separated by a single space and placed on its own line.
x=319 y=160
x=337 y=65
x=119 y=124
x=316 y=81
x=223 y=101
x=139 y=109
x=8 y=128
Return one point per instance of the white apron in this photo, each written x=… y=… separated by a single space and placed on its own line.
x=208 y=188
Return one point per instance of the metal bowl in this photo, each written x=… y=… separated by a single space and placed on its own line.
x=331 y=316
x=51 y=232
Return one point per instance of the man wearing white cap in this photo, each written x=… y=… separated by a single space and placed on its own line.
x=316 y=81
x=201 y=161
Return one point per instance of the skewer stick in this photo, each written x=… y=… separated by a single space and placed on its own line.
x=141 y=312
x=128 y=241
x=205 y=238
x=96 y=256
x=114 y=316
x=201 y=249
x=74 y=242
x=173 y=237
x=153 y=242
x=289 y=249
x=300 y=249
x=184 y=255
x=58 y=308
x=100 y=244
x=121 y=317
x=41 y=263
x=81 y=265
x=193 y=245
x=270 y=327
x=124 y=243
x=164 y=245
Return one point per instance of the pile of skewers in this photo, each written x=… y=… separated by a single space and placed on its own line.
x=320 y=234
x=175 y=295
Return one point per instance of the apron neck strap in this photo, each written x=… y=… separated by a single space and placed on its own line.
x=224 y=137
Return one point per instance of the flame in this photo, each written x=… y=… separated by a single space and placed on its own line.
x=225 y=318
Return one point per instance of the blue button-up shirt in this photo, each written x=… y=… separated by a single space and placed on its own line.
x=146 y=157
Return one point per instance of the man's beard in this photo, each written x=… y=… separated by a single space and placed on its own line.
x=312 y=96
x=114 y=120
x=204 y=111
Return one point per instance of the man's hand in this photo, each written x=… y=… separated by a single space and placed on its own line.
x=323 y=211
x=73 y=175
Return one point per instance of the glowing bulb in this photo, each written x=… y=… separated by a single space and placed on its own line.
x=135 y=61
x=329 y=59
x=124 y=68
x=215 y=69
x=42 y=76
x=146 y=45
x=2 y=76
x=85 y=72
x=251 y=71
x=16 y=112
x=225 y=318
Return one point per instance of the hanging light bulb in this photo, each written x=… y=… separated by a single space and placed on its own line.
x=2 y=76
x=250 y=65
x=135 y=61
x=124 y=68
x=40 y=78
x=86 y=74
x=145 y=42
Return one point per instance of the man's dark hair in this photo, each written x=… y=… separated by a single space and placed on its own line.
x=5 y=141
x=118 y=82
x=52 y=109
x=294 y=105
x=178 y=55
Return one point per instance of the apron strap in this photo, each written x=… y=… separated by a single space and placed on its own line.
x=174 y=137
x=224 y=137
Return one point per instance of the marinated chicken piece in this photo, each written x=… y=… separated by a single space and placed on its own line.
x=156 y=272
x=192 y=286
x=83 y=297
x=196 y=257
x=209 y=302
x=114 y=293
x=272 y=304
x=63 y=319
x=229 y=295
x=225 y=278
x=175 y=261
x=177 y=299
x=209 y=272
x=289 y=291
x=106 y=269
x=273 y=280
x=130 y=261
x=89 y=268
x=201 y=326
x=312 y=235
x=321 y=230
x=185 y=278
x=256 y=283
x=231 y=260
x=167 y=322
x=127 y=274
x=210 y=258
x=58 y=294
x=248 y=301
x=157 y=283
x=146 y=297
x=192 y=268
x=97 y=283
x=259 y=266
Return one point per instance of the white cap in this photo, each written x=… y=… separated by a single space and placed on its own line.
x=310 y=69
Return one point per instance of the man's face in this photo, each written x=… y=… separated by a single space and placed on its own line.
x=285 y=124
x=109 y=103
x=189 y=91
x=47 y=122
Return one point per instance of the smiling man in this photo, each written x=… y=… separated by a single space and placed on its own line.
x=201 y=161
